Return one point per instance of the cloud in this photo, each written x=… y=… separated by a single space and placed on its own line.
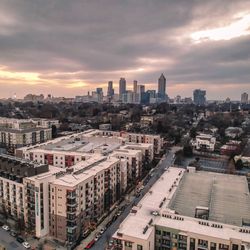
x=80 y=44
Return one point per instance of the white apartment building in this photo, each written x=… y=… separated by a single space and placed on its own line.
x=36 y=200
x=24 y=192
x=81 y=198
x=133 y=161
x=209 y=219
x=204 y=142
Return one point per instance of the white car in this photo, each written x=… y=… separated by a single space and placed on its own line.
x=5 y=227
x=26 y=245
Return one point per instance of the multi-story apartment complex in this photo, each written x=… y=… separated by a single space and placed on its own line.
x=189 y=210
x=82 y=197
x=155 y=140
x=16 y=133
x=24 y=192
x=91 y=171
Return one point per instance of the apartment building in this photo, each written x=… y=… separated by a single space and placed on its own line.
x=204 y=142
x=15 y=179
x=155 y=140
x=81 y=198
x=28 y=123
x=16 y=133
x=133 y=162
x=208 y=219
x=57 y=158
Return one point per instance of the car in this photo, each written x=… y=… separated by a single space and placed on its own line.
x=109 y=224
x=119 y=212
x=5 y=227
x=97 y=237
x=13 y=233
x=102 y=230
x=19 y=239
x=90 y=244
x=86 y=233
x=26 y=245
x=111 y=243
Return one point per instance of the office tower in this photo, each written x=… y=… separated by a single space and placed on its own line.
x=110 y=91
x=162 y=87
x=135 y=86
x=244 y=98
x=140 y=91
x=122 y=87
x=152 y=93
x=99 y=90
x=199 y=97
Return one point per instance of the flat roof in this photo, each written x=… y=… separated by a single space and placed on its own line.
x=71 y=179
x=161 y=191
x=226 y=196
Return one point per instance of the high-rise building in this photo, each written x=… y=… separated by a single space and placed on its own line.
x=244 y=97
x=110 y=91
x=199 y=97
x=139 y=91
x=162 y=87
x=122 y=87
x=135 y=86
x=99 y=90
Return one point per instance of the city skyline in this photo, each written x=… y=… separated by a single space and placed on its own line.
x=69 y=48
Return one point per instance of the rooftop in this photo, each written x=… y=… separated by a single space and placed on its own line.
x=73 y=179
x=172 y=200
x=226 y=196
x=160 y=193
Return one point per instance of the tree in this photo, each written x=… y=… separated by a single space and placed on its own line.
x=193 y=133
x=187 y=151
x=239 y=164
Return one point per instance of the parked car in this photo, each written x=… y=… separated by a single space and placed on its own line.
x=19 y=239
x=86 y=233
x=102 y=230
x=97 y=237
x=90 y=244
x=26 y=245
x=13 y=233
x=5 y=227
x=109 y=224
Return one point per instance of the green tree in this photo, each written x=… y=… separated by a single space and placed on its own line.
x=187 y=151
x=239 y=164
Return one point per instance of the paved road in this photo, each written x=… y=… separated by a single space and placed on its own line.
x=8 y=241
x=165 y=162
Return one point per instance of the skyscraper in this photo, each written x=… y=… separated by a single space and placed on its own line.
x=244 y=98
x=110 y=91
x=122 y=87
x=199 y=97
x=139 y=92
x=135 y=86
x=162 y=87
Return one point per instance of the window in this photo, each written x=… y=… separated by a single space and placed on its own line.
x=139 y=247
x=158 y=232
x=128 y=244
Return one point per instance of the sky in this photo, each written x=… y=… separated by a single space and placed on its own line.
x=66 y=48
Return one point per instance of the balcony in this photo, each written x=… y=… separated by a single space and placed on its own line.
x=71 y=196
x=71 y=209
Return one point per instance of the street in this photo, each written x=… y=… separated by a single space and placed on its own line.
x=166 y=162
x=8 y=241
